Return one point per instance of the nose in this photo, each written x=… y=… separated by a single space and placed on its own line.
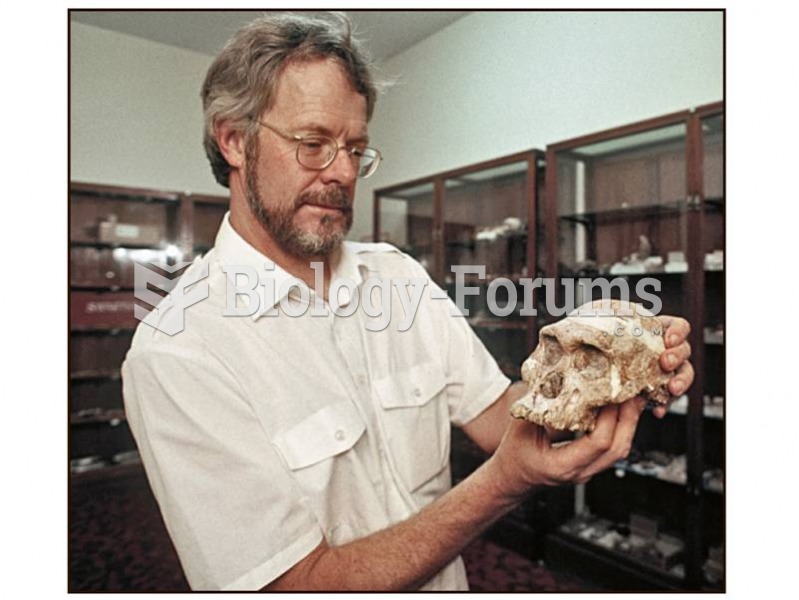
x=343 y=170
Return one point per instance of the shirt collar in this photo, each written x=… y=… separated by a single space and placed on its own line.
x=232 y=249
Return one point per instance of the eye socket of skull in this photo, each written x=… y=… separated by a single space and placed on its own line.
x=590 y=361
x=553 y=351
x=552 y=385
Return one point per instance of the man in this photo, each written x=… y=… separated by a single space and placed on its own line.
x=309 y=452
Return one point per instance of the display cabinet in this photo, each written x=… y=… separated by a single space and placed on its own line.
x=644 y=204
x=110 y=230
x=484 y=215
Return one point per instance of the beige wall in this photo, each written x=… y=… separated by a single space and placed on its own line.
x=135 y=113
x=493 y=84
x=489 y=84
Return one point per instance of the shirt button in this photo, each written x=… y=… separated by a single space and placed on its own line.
x=417 y=392
x=340 y=435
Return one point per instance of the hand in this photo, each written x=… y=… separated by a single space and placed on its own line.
x=675 y=359
x=527 y=457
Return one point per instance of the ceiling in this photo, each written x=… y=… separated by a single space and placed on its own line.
x=385 y=33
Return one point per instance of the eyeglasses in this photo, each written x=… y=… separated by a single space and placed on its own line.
x=317 y=152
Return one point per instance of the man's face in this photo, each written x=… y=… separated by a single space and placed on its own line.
x=308 y=213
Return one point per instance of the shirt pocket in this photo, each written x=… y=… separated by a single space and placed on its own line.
x=309 y=446
x=415 y=419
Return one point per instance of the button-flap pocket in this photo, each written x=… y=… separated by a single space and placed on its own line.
x=327 y=432
x=415 y=419
x=412 y=387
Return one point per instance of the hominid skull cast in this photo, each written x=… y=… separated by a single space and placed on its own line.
x=587 y=361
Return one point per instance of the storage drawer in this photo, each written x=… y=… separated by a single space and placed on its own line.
x=103 y=353
x=104 y=440
x=105 y=267
x=107 y=220
x=207 y=219
x=93 y=394
x=102 y=310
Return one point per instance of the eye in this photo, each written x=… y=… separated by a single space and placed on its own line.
x=314 y=146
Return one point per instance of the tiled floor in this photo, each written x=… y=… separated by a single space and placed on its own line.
x=117 y=542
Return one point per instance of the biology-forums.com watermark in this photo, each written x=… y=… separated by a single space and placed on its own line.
x=249 y=292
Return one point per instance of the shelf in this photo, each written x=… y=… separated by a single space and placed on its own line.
x=113 y=417
x=411 y=248
x=642 y=273
x=473 y=279
x=713 y=337
x=636 y=213
x=709 y=410
x=632 y=213
x=95 y=467
x=126 y=245
x=113 y=192
x=111 y=330
x=498 y=324
x=623 y=467
x=620 y=571
x=90 y=375
x=100 y=288
x=471 y=244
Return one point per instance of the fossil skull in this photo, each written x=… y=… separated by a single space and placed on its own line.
x=587 y=361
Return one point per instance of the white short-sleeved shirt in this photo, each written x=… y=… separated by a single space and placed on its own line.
x=261 y=435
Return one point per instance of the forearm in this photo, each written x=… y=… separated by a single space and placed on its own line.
x=406 y=555
x=487 y=429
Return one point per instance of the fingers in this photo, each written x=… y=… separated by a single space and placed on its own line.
x=574 y=458
x=602 y=435
x=677 y=330
x=623 y=434
x=675 y=356
x=682 y=379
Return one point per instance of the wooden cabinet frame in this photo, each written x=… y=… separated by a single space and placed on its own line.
x=697 y=209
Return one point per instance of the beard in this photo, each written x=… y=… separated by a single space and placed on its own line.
x=278 y=221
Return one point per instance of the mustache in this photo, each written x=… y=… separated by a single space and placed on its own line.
x=335 y=198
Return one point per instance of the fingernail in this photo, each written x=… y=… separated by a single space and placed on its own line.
x=673 y=340
x=678 y=387
x=671 y=360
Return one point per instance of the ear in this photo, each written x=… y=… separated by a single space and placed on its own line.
x=231 y=143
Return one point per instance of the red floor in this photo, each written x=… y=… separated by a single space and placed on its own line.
x=117 y=542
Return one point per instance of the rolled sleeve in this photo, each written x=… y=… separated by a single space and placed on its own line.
x=236 y=516
x=476 y=381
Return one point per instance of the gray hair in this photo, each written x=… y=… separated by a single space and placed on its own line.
x=241 y=82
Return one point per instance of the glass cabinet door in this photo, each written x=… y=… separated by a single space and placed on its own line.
x=406 y=219
x=485 y=222
x=621 y=211
x=712 y=193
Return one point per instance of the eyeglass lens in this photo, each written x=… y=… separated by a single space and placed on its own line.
x=318 y=153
